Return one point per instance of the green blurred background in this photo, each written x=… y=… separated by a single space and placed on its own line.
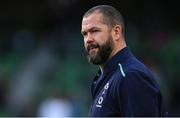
x=43 y=66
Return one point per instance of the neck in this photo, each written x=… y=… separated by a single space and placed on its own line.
x=114 y=52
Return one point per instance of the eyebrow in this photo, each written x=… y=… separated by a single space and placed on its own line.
x=92 y=28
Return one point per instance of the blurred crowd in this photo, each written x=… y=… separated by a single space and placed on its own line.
x=43 y=66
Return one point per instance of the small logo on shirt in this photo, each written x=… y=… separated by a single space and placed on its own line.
x=106 y=86
x=100 y=100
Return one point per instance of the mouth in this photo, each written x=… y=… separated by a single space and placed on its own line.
x=92 y=47
x=92 y=51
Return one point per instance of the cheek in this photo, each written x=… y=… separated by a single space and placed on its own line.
x=85 y=46
x=102 y=40
x=103 y=37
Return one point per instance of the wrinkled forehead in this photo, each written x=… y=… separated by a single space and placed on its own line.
x=92 y=20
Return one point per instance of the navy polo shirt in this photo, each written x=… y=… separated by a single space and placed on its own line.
x=125 y=88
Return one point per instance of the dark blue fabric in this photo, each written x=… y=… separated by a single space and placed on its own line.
x=135 y=94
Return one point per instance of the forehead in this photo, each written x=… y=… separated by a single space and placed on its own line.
x=92 y=20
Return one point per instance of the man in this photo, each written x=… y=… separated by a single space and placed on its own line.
x=123 y=86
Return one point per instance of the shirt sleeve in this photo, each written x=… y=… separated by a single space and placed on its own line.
x=139 y=96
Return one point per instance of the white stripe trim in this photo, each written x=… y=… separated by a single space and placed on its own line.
x=98 y=106
x=121 y=69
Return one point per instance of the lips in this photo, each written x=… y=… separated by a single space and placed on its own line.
x=91 y=50
x=91 y=47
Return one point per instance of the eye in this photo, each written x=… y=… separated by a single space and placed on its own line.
x=94 y=30
x=84 y=33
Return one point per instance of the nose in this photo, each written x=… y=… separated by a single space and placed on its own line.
x=89 y=38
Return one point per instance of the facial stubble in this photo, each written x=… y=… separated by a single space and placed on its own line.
x=102 y=52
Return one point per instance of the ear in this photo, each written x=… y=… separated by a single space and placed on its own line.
x=117 y=32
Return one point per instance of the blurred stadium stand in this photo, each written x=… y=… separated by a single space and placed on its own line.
x=42 y=54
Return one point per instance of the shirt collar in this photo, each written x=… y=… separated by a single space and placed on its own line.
x=120 y=57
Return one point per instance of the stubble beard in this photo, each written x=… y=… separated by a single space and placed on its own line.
x=101 y=53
